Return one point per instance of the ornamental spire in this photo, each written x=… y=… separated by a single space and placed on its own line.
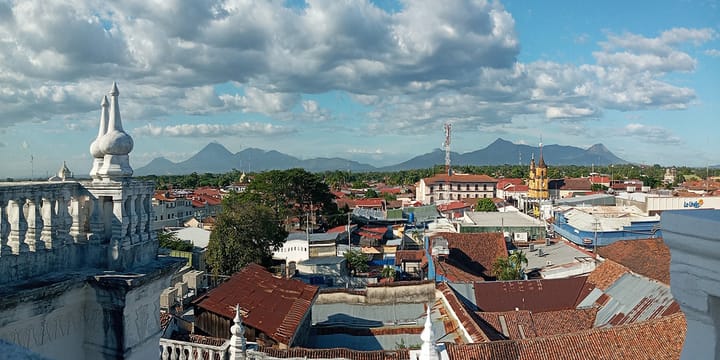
x=95 y=151
x=237 y=340
x=428 y=350
x=116 y=144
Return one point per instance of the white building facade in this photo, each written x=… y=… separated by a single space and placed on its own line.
x=445 y=188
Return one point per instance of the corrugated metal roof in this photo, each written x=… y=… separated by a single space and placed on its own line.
x=633 y=298
x=514 y=219
x=533 y=295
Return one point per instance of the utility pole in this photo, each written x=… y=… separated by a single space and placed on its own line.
x=597 y=224
x=348 y=230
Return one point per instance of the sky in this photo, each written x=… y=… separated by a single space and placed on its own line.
x=372 y=81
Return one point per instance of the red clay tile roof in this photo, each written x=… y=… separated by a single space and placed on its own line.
x=534 y=295
x=660 y=339
x=338 y=353
x=649 y=257
x=606 y=274
x=524 y=324
x=374 y=202
x=472 y=253
x=502 y=183
x=455 y=205
x=409 y=255
x=274 y=306
x=582 y=184
x=443 y=178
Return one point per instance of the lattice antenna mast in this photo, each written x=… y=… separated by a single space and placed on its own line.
x=448 y=128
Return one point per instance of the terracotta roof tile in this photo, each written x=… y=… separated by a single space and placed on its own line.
x=649 y=257
x=274 y=306
x=533 y=295
x=338 y=353
x=471 y=255
x=660 y=339
x=408 y=255
x=606 y=274
x=525 y=324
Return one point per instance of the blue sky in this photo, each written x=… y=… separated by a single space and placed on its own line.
x=368 y=81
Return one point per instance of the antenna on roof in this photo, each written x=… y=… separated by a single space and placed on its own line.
x=448 y=128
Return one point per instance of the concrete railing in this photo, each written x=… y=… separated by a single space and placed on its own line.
x=52 y=227
x=182 y=350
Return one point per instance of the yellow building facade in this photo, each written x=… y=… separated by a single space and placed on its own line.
x=538 y=181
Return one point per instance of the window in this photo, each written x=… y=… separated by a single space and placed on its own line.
x=484 y=187
x=485 y=195
x=467 y=187
x=476 y=187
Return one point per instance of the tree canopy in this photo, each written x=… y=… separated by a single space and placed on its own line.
x=169 y=240
x=245 y=232
x=357 y=261
x=511 y=267
x=485 y=205
x=291 y=192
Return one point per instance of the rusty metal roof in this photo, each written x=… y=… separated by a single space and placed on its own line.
x=632 y=298
x=533 y=295
x=272 y=305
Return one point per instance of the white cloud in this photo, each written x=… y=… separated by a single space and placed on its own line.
x=652 y=134
x=214 y=130
x=712 y=52
x=567 y=112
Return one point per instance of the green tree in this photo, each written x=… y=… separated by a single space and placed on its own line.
x=371 y=193
x=357 y=261
x=511 y=267
x=485 y=205
x=291 y=192
x=388 y=272
x=244 y=233
x=169 y=240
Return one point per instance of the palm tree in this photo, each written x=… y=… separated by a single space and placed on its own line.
x=511 y=267
x=518 y=259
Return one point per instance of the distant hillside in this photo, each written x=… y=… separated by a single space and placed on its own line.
x=215 y=158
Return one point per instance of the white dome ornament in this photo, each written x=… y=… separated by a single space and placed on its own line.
x=95 y=146
x=116 y=144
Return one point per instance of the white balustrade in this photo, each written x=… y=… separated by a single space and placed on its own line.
x=55 y=226
x=183 y=350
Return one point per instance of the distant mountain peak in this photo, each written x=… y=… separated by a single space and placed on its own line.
x=598 y=148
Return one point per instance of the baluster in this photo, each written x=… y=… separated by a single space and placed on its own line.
x=48 y=235
x=18 y=226
x=64 y=220
x=134 y=219
x=35 y=224
x=175 y=352
x=165 y=353
x=77 y=231
x=182 y=353
x=97 y=228
x=5 y=249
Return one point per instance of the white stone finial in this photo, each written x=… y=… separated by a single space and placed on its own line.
x=95 y=151
x=428 y=350
x=237 y=340
x=116 y=144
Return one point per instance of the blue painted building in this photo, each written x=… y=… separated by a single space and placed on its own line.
x=608 y=223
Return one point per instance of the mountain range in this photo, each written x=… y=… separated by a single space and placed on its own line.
x=215 y=158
